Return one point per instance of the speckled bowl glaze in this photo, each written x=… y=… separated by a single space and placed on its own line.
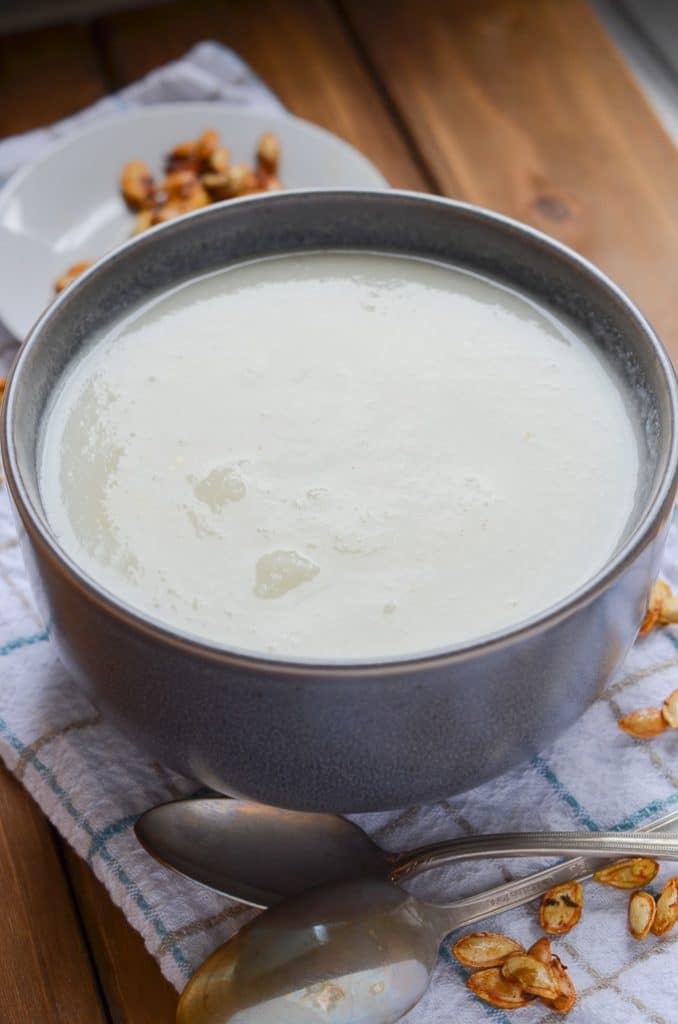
x=349 y=735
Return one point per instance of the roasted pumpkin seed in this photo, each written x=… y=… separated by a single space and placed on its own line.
x=560 y=908
x=492 y=988
x=218 y=161
x=660 y=591
x=631 y=873
x=137 y=185
x=268 y=152
x=667 y=908
x=668 y=608
x=75 y=270
x=484 y=949
x=644 y=723
x=534 y=976
x=182 y=158
x=206 y=144
x=197 y=172
x=641 y=914
x=567 y=994
x=143 y=221
x=541 y=950
x=670 y=710
x=179 y=184
x=268 y=182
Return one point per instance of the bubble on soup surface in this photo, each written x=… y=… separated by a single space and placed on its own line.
x=220 y=486
x=281 y=571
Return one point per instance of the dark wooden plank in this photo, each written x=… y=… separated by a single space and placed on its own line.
x=135 y=990
x=45 y=972
x=46 y=75
x=527 y=108
x=19 y=17
x=299 y=48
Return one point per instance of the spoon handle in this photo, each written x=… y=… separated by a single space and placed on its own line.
x=514 y=894
x=534 y=844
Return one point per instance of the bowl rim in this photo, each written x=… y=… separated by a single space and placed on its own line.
x=347 y=669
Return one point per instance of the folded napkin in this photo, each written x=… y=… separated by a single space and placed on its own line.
x=92 y=783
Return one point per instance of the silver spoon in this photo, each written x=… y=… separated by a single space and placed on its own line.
x=261 y=855
x=357 y=952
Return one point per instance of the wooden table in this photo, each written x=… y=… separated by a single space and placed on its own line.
x=520 y=105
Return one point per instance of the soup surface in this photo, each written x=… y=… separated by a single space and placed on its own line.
x=340 y=455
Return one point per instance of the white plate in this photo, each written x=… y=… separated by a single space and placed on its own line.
x=66 y=206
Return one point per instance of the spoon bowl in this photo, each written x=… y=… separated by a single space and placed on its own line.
x=256 y=854
x=353 y=952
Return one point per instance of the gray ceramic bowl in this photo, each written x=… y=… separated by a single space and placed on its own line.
x=345 y=735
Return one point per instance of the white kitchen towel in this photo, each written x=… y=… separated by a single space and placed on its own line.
x=92 y=783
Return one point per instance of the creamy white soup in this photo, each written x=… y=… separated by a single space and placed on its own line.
x=340 y=456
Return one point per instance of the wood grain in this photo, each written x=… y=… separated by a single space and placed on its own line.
x=45 y=972
x=135 y=990
x=298 y=47
x=46 y=75
x=528 y=109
